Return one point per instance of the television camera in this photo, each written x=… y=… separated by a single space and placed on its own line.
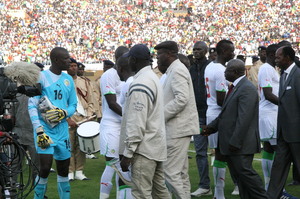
x=15 y=79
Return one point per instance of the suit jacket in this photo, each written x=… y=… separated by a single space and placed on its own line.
x=180 y=109
x=237 y=123
x=288 y=123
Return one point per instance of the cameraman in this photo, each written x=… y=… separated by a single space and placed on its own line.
x=3 y=135
x=23 y=128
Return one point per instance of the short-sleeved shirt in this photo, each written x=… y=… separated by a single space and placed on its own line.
x=124 y=91
x=110 y=83
x=267 y=77
x=214 y=81
x=60 y=90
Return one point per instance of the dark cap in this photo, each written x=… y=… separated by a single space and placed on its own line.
x=108 y=62
x=170 y=45
x=212 y=50
x=139 y=51
x=255 y=57
x=80 y=65
x=73 y=60
x=41 y=66
x=260 y=48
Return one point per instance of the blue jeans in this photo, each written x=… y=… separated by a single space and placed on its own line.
x=201 y=143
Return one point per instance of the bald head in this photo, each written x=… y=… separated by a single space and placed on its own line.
x=199 y=50
x=236 y=64
x=60 y=60
x=120 y=51
x=200 y=43
x=57 y=52
x=234 y=69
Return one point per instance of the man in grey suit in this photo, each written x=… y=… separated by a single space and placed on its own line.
x=181 y=117
x=288 y=122
x=237 y=125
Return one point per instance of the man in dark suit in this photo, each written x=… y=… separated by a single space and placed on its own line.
x=288 y=123
x=237 y=125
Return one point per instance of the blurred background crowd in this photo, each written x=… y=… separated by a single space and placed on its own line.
x=92 y=29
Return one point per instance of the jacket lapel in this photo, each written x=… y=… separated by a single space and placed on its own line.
x=282 y=90
x=227 y=99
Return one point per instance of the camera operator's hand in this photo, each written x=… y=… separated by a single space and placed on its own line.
x=5 y=134
x=43 y=140
x=55 y=115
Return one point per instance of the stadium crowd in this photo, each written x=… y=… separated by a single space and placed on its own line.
x=92 y=29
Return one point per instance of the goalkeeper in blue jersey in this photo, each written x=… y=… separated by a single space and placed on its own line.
x=48 y=114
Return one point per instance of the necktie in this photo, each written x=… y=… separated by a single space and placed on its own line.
x=230 y=89
x=283 y=79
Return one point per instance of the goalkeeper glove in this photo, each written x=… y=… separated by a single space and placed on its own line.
x=43 y=140
x=55 y=115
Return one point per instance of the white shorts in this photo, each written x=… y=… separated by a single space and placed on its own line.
x=213 y=138
x=267 y=125
x=109 y=140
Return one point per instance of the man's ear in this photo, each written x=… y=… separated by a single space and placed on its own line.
x=133 y=60
x=55 y=60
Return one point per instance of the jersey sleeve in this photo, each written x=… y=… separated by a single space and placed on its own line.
x=33 y=111
x=265 y=78
x=107 y=84
x=220 y=80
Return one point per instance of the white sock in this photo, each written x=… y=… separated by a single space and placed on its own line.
x=117 y=185
x=106 y=178
x=125 y=192
x=219 y=179
x=266 y=163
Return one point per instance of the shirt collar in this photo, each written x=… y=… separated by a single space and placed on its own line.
x=289 y=69
x=238 y=80
x=146 y=68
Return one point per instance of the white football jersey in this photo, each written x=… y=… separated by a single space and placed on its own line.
x=110 y=83
x=268 y=77
x=214 y=81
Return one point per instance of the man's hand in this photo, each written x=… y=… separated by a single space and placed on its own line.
x=55 y=115
x=43 y=140
x=206 y=130
x=7 y=135
x=233 y=148
x=71 y=123
x=125 y=163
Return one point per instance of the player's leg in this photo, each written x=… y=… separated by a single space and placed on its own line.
x=267 y=162
x=62 y=156
x=63 y=184
x=123 y=188
x=219 y=164
x=109 y=147
x=219 y=171
x=106 y=179
x=42 y=179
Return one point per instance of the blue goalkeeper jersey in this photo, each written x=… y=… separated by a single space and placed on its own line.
x=61 y=92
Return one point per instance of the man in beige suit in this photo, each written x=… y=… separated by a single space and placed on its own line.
x=84 y=110
x=181 y=117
